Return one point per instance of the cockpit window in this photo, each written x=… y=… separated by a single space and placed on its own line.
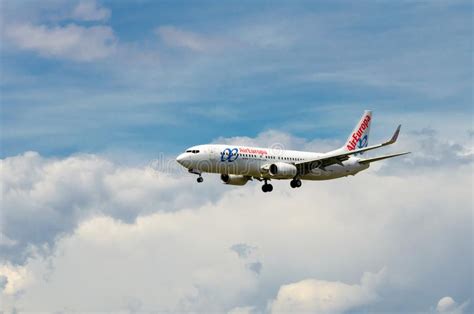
x=194 y=151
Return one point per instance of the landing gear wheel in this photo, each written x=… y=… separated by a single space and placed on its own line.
x=295 y=183
x=195 y=171
x=267 y=188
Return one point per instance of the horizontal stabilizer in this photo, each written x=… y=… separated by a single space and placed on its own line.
x=369 y=160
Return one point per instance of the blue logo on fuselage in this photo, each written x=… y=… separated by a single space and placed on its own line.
x=229 y=154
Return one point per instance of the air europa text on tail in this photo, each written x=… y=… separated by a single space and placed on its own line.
x=351 y=145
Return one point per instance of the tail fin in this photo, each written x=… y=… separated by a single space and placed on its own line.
x=359 y=138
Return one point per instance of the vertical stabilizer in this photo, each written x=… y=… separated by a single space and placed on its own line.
x=359 y=138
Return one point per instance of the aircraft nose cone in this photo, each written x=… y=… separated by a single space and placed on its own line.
x=180 y=159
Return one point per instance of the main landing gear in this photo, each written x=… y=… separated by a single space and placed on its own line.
x=194 y=171
x=295 y=183
x=267 y=187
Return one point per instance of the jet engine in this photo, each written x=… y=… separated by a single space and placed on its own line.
x=233 y=179
x=282 y=170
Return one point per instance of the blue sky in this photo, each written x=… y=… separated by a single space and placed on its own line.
x=172 y=74
x=98 y=98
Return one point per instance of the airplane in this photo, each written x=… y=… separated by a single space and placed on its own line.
x=238 y=164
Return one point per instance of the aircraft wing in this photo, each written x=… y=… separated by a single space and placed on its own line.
x=338 y=157
x=369 y=160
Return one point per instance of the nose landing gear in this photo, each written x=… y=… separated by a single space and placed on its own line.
x=194 y=171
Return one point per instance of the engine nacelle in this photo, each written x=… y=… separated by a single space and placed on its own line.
x=233 y=179
x=282 y=170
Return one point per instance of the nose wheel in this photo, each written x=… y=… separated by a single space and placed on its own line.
x=295 y=183
x=194 y=171
x=267 y=187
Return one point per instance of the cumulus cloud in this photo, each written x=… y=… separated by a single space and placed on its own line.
x=44 y=198
x=320 y=296
x=156 y=240
x=428 y=150
x=73 y=42
x=90 y=10
x=163 y=262
x=13 y=279
x=447 y=305
x=432 y=150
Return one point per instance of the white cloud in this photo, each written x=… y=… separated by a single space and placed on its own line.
x=320 y=296
x=89 y=10
x=61 y=193
x=279 y=34
x=156 y=240
x=166 y=262
x=16 y=278
x=447 y=305
x=243 y=310
x=5 y=241
x=173 y=36
x=72 y=41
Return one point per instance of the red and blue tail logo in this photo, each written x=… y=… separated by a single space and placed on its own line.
x=360 y=136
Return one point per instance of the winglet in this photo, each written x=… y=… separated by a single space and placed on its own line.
x=395 y=135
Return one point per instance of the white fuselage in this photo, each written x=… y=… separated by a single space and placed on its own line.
x=251 y=161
